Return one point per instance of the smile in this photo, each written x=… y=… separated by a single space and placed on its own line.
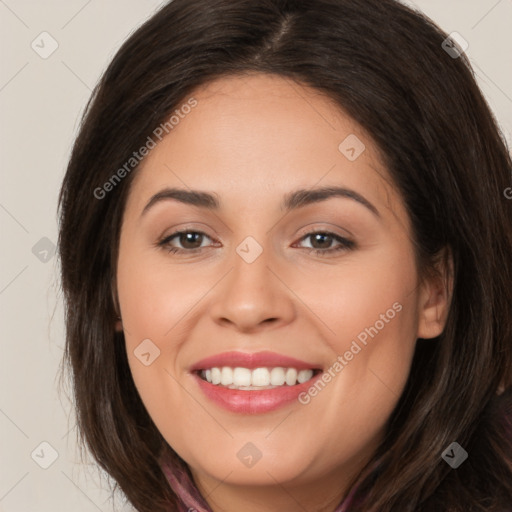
x=255 y=379
x=254 y=383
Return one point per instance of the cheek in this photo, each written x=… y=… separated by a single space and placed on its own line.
x=364 y=293
x=371 y=313
x=157 y=310
x=154 y=298
x=371 y=361
x=151 y=307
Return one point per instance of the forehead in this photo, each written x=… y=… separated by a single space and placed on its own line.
x=254 y=134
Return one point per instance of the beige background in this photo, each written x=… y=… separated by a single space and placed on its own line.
x=40 y=103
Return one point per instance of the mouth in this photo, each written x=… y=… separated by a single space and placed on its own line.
x=254 y=383
x=247 y=379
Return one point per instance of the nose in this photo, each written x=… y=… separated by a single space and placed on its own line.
x=253 y=296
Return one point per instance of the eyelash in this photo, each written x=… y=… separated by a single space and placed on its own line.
x=345 y=244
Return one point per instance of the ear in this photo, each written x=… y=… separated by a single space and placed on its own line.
x=435 y=297
x=115 y=301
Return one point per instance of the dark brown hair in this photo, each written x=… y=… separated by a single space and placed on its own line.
x=383 y=64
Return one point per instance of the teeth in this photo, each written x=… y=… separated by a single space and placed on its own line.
x=226 y=376
x=304 y=375
x=216 y=376
x=244 y=378
x=277 y=376
x=291 y=376
x=260 y=377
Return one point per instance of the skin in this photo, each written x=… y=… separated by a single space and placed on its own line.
x=251 y=140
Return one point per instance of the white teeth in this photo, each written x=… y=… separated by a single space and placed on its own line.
x=242 y=377
x=260 y=377
x=291 y=376
x=304 y=375
x=216 y=375
x=226 y=376
x=277 y=376
x=245 y=378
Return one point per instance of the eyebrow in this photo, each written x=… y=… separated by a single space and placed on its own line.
x=292 y=201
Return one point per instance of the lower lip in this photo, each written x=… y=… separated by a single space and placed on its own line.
x=254 y=401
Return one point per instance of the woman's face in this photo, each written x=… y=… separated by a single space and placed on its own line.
x=253 y=294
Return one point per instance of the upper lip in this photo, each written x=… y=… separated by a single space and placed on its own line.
x=251 y=361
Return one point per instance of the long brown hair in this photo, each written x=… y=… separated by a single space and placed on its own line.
x=386 y=66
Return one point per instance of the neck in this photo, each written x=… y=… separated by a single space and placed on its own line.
x=322 y=495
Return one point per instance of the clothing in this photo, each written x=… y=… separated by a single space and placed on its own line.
x=192 y=501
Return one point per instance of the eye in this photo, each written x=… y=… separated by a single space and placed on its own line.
x=190 y=241
x=321 y=243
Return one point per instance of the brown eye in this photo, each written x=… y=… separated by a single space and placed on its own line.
x=321 y=240
x=322 y=243
x=188 y=241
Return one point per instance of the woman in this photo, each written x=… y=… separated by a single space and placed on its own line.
x=286 y=257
